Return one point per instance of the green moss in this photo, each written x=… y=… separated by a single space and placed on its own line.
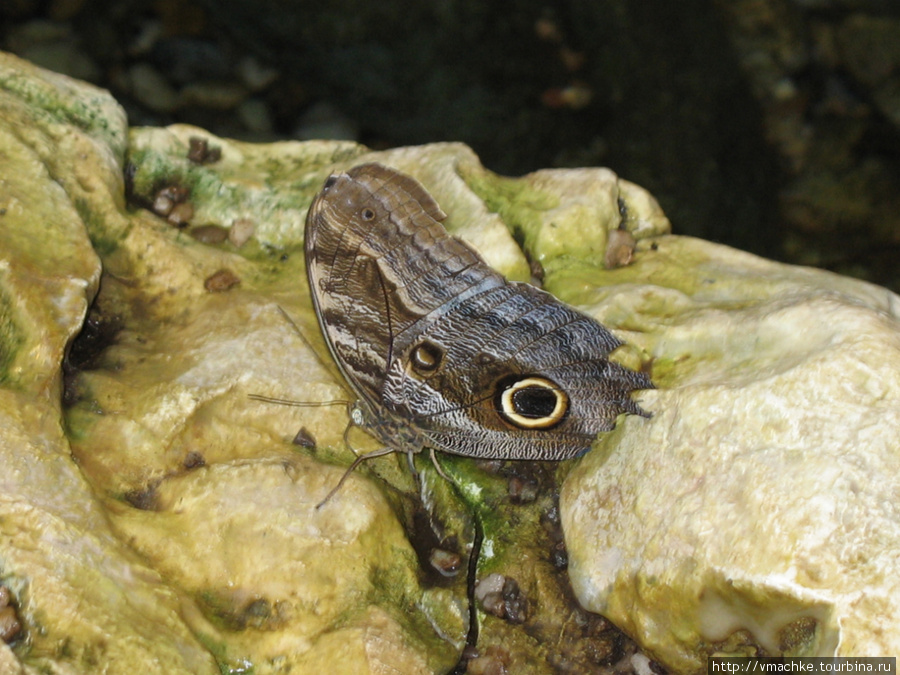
x=11 y=338
x=57 y=103
x=104 y=240
x=81 y=417
x=395 y=575
x=517 y=203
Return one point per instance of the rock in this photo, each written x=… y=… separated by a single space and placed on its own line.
x=755 y=512
x=254 y=115
x=254 y=75
x=240 y=566
x=36 y=32
x=211 y=94
x=64 y=57
x=752 y=512
x=149 y=87
x=186 y=59
x=869 y=47
x=870 y=50
x=83 y=597
x=324 y=121
x=53 y=45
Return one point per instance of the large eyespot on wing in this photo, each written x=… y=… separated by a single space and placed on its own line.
x=531 y=402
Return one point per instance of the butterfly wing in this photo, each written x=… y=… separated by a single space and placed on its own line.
x=379 y=261
x=519 y=376
x=428 y=334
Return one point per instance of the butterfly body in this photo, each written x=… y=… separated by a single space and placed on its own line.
x=442 y=350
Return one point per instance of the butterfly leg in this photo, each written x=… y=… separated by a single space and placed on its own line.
x=438 y=466
x=356 y=462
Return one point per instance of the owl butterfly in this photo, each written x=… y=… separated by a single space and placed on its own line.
x=442 y=351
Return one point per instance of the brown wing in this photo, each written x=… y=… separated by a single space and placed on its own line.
x=379 y=261
x=439 y=343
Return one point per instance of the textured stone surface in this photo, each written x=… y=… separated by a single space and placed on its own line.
x=754 y=511
x=144 y=415
x=85 y=600
x=757 y=511
x=235 y=568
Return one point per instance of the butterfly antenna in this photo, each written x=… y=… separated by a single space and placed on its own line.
x=301 y=404
x=298 y=404
x=325 y=363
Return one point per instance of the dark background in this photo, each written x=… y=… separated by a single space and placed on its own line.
x=769 y=125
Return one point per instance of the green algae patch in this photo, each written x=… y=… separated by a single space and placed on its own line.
x=11 y=340
x=58 y=101
x=525 y=607
x=270 y=186
x=516 y=202
x=561 y=214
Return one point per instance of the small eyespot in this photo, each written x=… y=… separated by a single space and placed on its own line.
x=367 y=214
x=426 y=357
x=330 y=181
x=531 y=402
x=484 y=359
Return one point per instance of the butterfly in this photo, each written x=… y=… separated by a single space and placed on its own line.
x=442 y=351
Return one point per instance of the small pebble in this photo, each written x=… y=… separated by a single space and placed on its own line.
x=254 y=115
x=522 y=491
x=502 y=597
x=221 y=281
x=148 y=33
x=201 y=152
x=257 y=613
x=575 y=96
x=215 y=95
x=188 y=59
x=9 y=624
x=181 y=214
x=209 y=234
x=494 y=661
x=447 y=563
x=254 y=75
x=145 y=499
x=176 y=193
x=64 y=57
x=304 y=439
x=162 y=205
x=492 y=583
x=619 y=249
x=572 y=60
x=151 y=89
x=325 y=122
x=241 y=230
x=641 y=664
x=547 y=30
x=491 y=466
x=559 y=556
x=24 y=36
x=194 y=460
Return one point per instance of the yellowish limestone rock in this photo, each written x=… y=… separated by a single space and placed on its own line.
x=85 y=600
x=752 y=514
x=756 y=512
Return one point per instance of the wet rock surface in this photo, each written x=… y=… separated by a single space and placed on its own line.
x=184 y=509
